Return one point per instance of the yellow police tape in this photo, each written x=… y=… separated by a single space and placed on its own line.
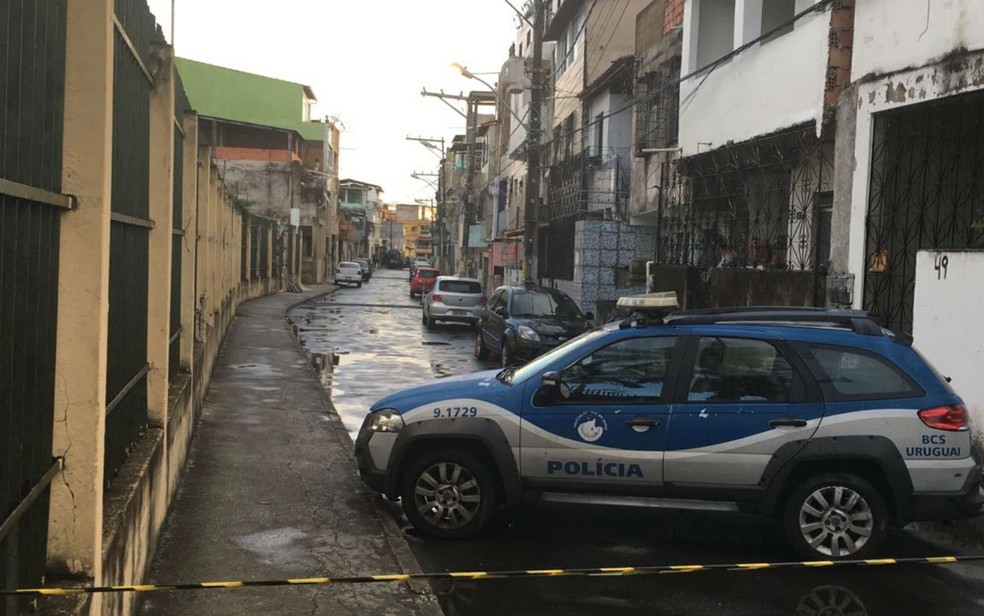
x=489 y=575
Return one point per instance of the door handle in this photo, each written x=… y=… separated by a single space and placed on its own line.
x=787 y=422
x=643 y=422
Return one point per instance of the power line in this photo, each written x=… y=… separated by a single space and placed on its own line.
x=821 y=4
x=573 y=43
x=621 y=16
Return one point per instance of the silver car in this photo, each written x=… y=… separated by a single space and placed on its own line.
x=348 y=272
x=453 y=299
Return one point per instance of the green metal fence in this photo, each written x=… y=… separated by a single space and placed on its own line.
x=32 y=74
x=181 y=105
x=126 y=374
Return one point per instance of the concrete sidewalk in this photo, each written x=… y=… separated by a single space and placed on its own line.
x=271 y=491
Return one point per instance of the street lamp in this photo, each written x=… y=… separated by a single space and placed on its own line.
x=470 y=75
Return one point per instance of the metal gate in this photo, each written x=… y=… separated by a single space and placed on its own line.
x=927 y=192
x=32 y=74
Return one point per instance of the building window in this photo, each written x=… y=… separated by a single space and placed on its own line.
x=599 y=145
x=715 y=31
x=352 y=195
x=776 y=12
x=569 y=137
x=658 y=114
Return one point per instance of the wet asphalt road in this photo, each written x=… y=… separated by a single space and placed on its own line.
x=383 y=347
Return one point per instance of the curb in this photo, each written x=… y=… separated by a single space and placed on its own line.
x=427 y=604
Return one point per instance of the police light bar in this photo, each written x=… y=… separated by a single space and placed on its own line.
x=650 y=301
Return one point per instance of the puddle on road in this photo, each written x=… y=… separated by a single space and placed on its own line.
x=381 y=350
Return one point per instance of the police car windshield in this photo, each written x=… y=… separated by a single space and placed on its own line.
x=538 y=365
x=543 y=304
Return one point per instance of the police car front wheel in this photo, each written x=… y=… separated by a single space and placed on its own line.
x=448 y=494
x=835 y=516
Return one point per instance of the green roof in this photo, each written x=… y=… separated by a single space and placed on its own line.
x=227 y=94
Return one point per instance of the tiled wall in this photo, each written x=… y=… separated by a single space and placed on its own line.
x=600 y=247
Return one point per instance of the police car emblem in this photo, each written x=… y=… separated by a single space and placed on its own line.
x=590 y=426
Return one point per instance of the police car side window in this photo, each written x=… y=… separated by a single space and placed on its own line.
x=848 y=374
x=631 y=370
x=740 y=370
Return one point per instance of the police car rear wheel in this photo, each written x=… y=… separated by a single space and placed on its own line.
x=448 y=494
x=836 y=516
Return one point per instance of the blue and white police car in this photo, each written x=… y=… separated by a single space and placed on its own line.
x=817 y=416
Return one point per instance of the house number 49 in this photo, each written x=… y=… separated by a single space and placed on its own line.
x=942 y=262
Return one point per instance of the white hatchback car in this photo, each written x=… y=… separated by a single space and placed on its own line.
x=349 y=272
x=453 y=299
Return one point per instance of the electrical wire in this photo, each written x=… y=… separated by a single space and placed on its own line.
x=570 y=48
x=591 y=69
x=821 y=4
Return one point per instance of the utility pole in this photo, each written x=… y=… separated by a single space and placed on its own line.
x=531 y=232
x=471 y=133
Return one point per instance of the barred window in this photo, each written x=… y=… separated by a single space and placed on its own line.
x=658 y=114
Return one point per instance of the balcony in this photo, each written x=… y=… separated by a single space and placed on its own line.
x=775 y=84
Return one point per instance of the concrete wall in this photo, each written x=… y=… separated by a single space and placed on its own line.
x=610 y=35
x=894 y=35
x=273 y=188
x=774 y=85
x=101 y=535
x=947 y=321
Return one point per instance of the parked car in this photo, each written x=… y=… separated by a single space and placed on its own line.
x=418 y=262
x=393 y=259
x=423 y=280
x=366 y=268
x=521 y=323
x=349 y=272
x=453 y=299
x=818 y=417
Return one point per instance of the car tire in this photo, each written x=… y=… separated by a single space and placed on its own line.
x=443 y=513
x=358 y=285
x=481 y=351
x=412 y=295
x=835 y=516
x=430 y=322
x=506 y=355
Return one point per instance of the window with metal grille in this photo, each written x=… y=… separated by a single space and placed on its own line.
x=658 y=113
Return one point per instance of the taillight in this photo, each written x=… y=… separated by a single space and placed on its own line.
x=952 y=417
x=435 y=297
x=482 y=300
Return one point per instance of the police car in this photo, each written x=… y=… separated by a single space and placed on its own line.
x=817 y=416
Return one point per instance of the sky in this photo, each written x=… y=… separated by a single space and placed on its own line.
x=367 y=62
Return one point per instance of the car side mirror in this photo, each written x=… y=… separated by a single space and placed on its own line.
x=549 y=389
x=501 y=311
x=589 y=316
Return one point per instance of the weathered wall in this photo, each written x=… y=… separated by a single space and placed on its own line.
x=896 y=35
x=610 y=37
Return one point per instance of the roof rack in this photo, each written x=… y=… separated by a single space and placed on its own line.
x=859 y=321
